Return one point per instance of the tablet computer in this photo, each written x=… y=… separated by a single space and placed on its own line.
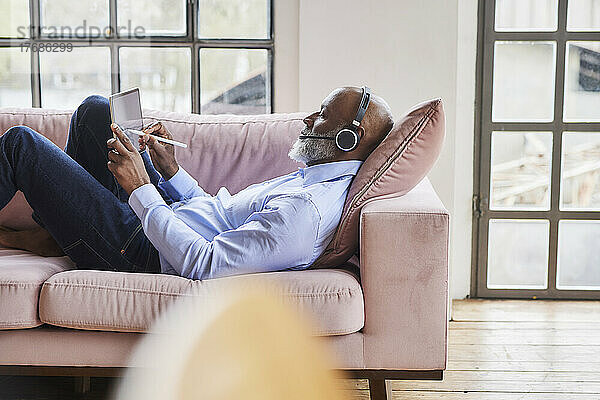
x=126 y=111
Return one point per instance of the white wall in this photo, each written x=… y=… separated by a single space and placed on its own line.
x=285 y=61
x=406 y=51
x=461 y=236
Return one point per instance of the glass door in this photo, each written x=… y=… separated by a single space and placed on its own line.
x=537 y=193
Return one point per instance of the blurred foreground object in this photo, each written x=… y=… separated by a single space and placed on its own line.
x=252 y=346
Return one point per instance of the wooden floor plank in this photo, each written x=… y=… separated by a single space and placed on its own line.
x=536 y=353
x=527 y=376
x=524 y=337
x=523 y=325
x=358 y=394
x=497 y=376
x=562 y=379
x=539 y=366
x=525 y=310
x=363 y=394
x=435 y=395
x=500 y=386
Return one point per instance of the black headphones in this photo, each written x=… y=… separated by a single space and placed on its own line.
x=347 y=139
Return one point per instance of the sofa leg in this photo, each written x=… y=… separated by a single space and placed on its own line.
x=82 y=384
x=379 y=390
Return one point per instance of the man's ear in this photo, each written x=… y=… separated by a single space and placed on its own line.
x=360 y=131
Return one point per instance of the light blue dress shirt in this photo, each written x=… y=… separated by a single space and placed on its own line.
x=281 y=224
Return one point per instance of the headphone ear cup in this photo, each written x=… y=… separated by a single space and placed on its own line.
x=347 y=140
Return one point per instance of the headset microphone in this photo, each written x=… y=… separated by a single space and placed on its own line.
x=347 y=139
x=316 y=137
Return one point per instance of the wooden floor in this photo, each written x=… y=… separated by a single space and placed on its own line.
x=498 y=350
x=514 y=349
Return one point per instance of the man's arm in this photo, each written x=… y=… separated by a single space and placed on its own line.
x=279 y=237
x=181 y=186
x=174 y=180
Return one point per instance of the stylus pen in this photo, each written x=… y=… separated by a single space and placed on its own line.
x=160 y=139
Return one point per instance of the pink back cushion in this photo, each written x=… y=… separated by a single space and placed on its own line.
x=231 y=151
x=396 y=166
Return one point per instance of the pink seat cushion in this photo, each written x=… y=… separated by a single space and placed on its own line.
x=130 y=302
x=22 y=275
x=396 y=166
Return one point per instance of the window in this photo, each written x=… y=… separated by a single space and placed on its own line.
x=202 y=56
x=537 y=193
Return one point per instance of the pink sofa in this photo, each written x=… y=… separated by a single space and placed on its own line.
x=391 y=323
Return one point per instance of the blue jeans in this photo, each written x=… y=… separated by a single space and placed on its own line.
x=73 y=194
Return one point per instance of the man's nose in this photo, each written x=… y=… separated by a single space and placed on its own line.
x=309 y=121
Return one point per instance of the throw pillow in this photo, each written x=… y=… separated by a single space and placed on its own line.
x=401 y=161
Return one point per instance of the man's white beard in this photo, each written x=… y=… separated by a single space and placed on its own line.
x=312 y=150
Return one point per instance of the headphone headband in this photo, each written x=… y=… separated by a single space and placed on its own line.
x=362 y=107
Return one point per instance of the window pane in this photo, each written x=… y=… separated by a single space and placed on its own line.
x=521 y=164
x=578 y=255
x=583 y=15
x=523 y=88
x=157 y=17
x=243 y=19
x=582 y=82
x=68 y=78
x=74 y=18
x=526 y=15
x=580 y=187
x=517 y=254
x=234 y=81
x=162 y=74
x=15 y=82
x=14 y=18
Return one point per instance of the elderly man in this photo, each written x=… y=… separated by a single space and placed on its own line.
x=109 y=206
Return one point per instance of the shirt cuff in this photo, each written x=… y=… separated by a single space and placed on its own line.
x=144 y=197
x=179 y=185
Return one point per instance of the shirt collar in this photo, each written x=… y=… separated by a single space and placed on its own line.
x=328 y=171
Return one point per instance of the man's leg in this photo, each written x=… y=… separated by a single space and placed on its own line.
x=87 y=220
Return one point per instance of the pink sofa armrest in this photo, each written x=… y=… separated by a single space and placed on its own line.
x=404 y=273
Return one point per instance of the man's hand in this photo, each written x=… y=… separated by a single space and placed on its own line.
x=125 y=162
x=161 y=154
